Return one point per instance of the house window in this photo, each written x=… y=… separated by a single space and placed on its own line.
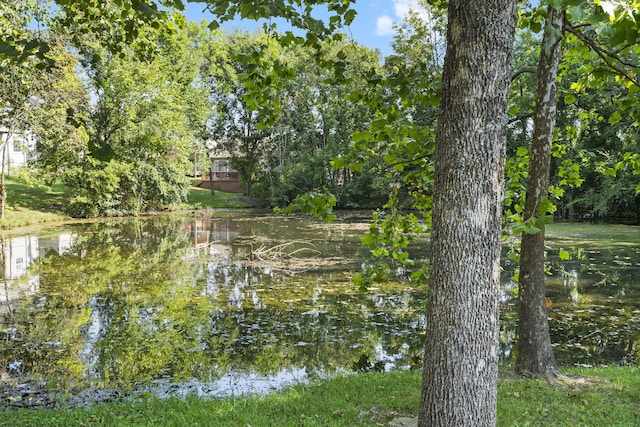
x=222 y=166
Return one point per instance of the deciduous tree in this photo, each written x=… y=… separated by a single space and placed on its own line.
x=460 y=371
x=535 y=354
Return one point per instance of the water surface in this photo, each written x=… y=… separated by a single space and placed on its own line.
x=238 y=304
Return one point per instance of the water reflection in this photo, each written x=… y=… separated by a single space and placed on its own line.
x=173 y=306
x=155 y=303
x=17 y=254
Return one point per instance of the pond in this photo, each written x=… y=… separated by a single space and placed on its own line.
x=237 y=303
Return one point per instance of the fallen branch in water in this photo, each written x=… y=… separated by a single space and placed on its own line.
x=279 y=252
x=290 y=257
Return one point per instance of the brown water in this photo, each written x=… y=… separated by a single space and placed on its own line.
x=239 y=304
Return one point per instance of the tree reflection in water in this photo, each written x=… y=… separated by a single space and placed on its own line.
x=173 y=306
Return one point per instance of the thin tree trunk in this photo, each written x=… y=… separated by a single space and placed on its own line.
x=571 y=210
x=459 y=385
x=3 y=185
x=535 y=354
x=211 y=187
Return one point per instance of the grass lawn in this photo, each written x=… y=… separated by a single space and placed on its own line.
x=607 y=397
x=200 y=198
x=28 y=205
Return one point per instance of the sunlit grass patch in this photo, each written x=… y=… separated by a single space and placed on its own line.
x=28 y=204
x=581 y=233
x=600 y=396
x=33 y=204
x=200 y=198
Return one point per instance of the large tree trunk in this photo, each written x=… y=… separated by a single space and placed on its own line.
x=535 y=354
x=459 y=384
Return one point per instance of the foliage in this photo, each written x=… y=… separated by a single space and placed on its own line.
x=596 y=84
x=283 y=118
x=60 y=117
x=319 y=204
x=588 y=134
x=601 y=105
x=137 y=25
x=23 y=85
x=32 y=202
x=300 y=119
x=98 y=187
x=401 y=136
x=17 y=43
x=236 y=125
x=599 y=147
x=301 y=157
x=141 y=131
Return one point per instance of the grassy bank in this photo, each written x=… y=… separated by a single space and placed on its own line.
x=200 y=198
x=608 y=396
x=28 y=205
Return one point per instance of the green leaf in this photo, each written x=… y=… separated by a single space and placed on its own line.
x=349 y=16
x=576 y=13
x=536 y=26
x=615 y=118
x=533 y=230
x=522 y=151
x=564 y=255
x=546 y=206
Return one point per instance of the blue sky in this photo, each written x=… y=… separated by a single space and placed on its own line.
x=373 y=26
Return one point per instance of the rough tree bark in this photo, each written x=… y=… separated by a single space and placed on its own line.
x=535 y=354
x=459 y=384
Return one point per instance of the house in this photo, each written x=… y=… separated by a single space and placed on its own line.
x=18 y=148
x=222 y=176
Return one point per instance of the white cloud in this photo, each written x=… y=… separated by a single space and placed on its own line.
x=401 y=8
x=384 y=26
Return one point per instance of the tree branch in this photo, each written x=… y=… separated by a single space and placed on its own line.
x=612 y=59
x=521 y=117
x=523 y=70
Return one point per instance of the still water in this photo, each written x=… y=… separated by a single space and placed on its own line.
x=237 y=304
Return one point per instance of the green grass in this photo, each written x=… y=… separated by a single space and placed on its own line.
x=200 y=198
x=28 y=205
x=587 y=233
x=608 y=397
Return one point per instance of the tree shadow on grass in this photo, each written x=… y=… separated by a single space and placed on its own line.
x=36 y=198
